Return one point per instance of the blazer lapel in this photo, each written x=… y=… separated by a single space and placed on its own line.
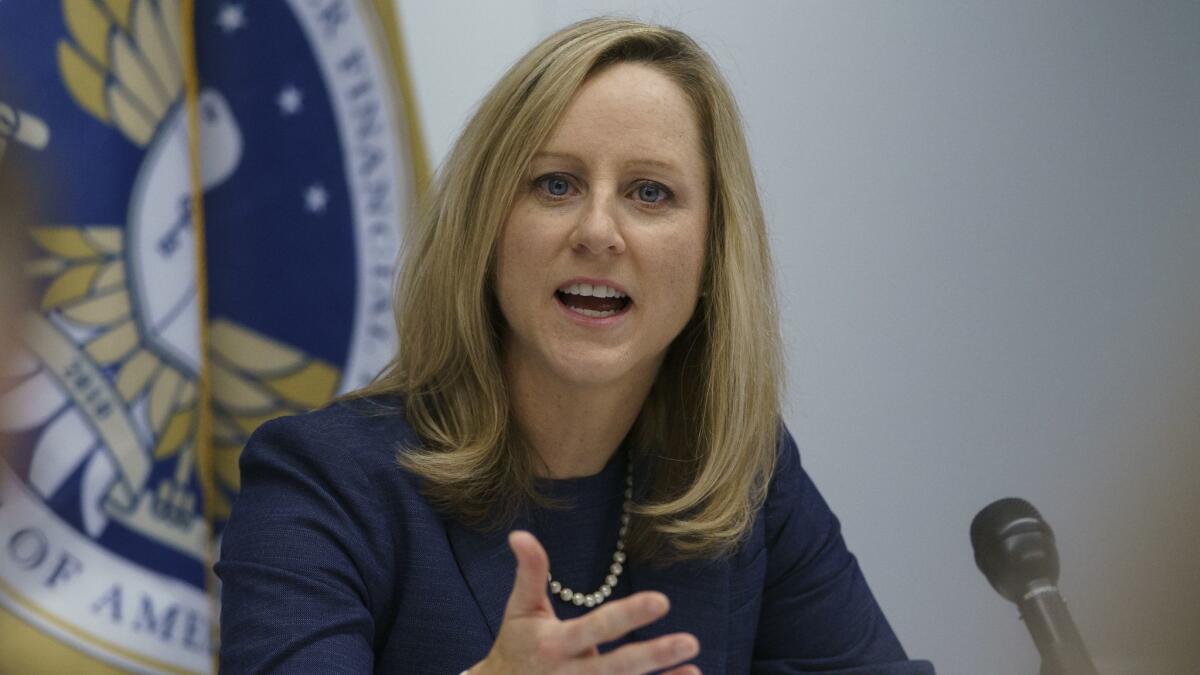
x=489 y=567
x=699 y=595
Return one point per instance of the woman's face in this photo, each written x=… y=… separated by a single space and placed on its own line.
x=600 y=259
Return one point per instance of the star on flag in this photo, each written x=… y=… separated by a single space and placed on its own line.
x=315 y=198
x=290 y=100
x=231 y=17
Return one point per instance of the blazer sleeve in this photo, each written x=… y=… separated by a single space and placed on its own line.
x=306 y=556
x=818 y=615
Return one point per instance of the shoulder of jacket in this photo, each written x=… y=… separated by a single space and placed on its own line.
x=362 y=430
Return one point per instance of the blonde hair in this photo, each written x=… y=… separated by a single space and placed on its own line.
x=708 y=430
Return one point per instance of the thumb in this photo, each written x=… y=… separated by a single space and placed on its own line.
x=533 y=568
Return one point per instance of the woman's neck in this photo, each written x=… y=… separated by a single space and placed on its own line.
x=574 y=429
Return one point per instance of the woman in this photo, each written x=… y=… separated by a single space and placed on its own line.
x=585 y=401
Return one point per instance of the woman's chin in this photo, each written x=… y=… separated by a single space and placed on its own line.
x=582 y=361
x=593 y=373
x=598 y=368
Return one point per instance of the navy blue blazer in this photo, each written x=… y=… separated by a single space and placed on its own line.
x=332 y=561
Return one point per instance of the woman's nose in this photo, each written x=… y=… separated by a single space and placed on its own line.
x=598 y=229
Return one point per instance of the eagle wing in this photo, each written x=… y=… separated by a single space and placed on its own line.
x=123 y=61
x=254 y=379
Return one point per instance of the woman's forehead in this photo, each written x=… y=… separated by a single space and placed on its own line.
x=628 y=114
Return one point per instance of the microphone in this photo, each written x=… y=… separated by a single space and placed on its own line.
x=1014 y=548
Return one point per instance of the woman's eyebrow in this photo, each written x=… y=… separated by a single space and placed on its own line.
x=634 y=163
x=652 y=162
x=562 y=156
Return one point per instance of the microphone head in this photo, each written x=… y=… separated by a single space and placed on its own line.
x=1013 y=546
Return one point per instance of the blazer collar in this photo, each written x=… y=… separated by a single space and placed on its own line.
x=698 y=591
x=489 y=567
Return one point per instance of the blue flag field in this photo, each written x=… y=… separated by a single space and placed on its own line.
x=219 y=191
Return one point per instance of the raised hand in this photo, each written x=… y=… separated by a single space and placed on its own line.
x=533 y=640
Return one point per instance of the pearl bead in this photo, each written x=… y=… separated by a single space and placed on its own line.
x=610 y=581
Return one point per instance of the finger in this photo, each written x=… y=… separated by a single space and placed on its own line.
x=533 y=568
x=648 y=656
x=612 y=620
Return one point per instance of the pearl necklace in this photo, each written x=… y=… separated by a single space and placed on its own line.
x=618 y=557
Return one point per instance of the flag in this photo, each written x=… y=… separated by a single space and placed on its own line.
x=220 y=192
x=305 y=101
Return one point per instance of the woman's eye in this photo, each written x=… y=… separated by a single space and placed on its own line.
x=554 y=186
x=652 y=193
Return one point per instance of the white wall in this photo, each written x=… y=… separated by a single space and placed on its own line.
x=986 y=220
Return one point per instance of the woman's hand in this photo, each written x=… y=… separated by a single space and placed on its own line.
x=533 y=640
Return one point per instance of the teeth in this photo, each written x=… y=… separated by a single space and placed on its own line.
x=593 y=313
x=594 y=291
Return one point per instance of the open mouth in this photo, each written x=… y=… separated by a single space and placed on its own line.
x=595 y=301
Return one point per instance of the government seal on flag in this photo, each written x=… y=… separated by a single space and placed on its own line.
x=222 y=189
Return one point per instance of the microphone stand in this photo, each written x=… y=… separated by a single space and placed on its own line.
x=1058 y=640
